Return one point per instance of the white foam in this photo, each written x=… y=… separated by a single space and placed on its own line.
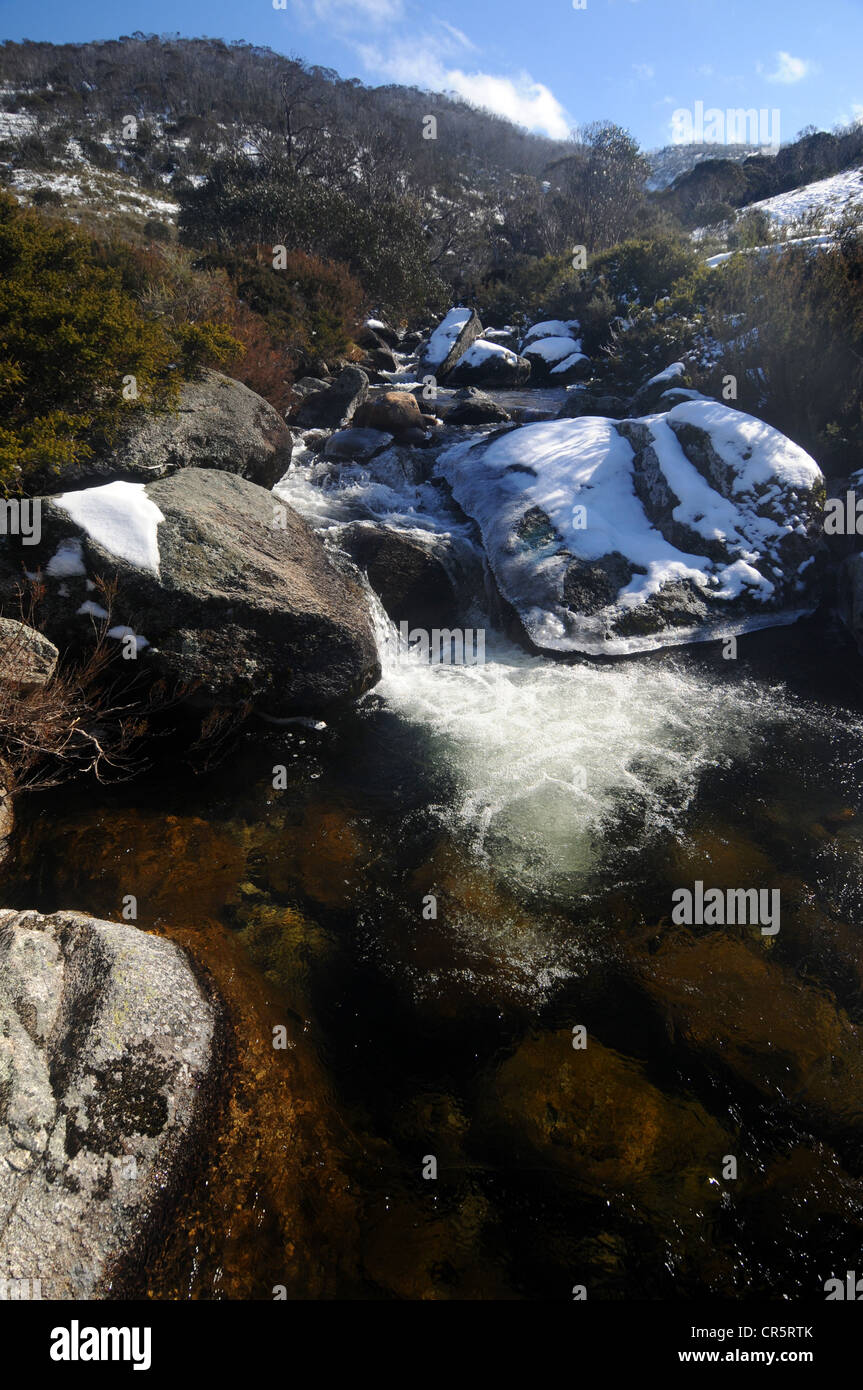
x=543 y=754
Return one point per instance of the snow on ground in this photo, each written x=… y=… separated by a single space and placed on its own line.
x=125 y=197
x=14 y=125
x=120 y=518
x=814 y=243
x=832 y=196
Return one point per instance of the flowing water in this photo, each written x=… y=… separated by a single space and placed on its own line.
x=461 y=870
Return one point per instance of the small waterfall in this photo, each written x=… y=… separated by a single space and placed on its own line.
x=544 y=756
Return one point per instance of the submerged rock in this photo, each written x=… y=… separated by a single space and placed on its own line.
x=614 y=537
x=410 y=581
x=593 y=1113
x=738 y=1012
x=219 y=587
x=474 y=407
x=107 y=1049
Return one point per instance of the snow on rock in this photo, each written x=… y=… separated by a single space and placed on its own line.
x=121 y=632
x=89 y=609
x=569 y=364
x=67 y=560
x=554 y=353
x=552 y=349
x=671 y=373
x=610 y=537
x=754 y=452
x=489 y=364
x=551 y=328
x=120 y=518
x=450 y=341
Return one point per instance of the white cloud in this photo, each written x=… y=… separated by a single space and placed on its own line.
x=431 y=65
x=644 y=71
x=352 y=12
x=520 y=99
x=855 y=117
x=459 y=37
x=789 y=69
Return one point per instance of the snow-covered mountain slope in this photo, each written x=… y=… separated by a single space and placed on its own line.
x=827 y=201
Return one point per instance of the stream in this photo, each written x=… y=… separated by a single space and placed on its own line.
x=453 y=876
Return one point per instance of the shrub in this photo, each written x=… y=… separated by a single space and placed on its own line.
x=789 y=326
x=243 y=205
x=536 y=287
x=310 y=305
x=70 y=332
x=179 y=291
x=754 y=228
x=46 y=197
x=642 y=271
x=157 y=230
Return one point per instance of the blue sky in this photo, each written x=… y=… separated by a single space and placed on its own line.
x=543 y=63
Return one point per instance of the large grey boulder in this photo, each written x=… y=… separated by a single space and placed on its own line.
x=610 y=537
x=219 y=423
x=449 y=342
x=219 y=587
x=490 y=365
x=108 y=1053
x=407 y=576
x=335 y=406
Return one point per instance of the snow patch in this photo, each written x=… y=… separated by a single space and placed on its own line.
x=120 y=518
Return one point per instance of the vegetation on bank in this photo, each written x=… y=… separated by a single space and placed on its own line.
x=78 y=350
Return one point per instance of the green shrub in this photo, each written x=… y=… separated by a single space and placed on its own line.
x=788 y=324
x=754 y=228
x=71 y=337
x=643 y=271
x=536 y=287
